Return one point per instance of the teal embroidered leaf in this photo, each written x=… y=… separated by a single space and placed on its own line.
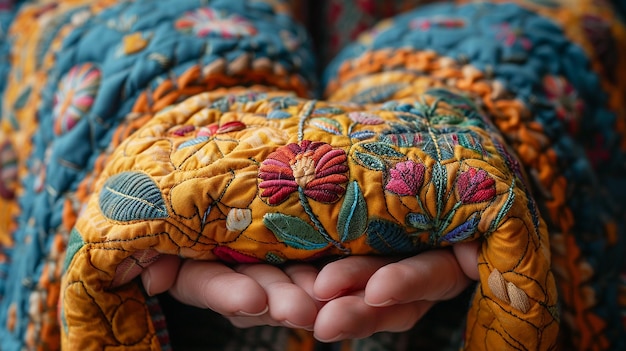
x=278 y=114
x=21 y=100
x=324 y=111
x=368 y=161
x=294 y=231
x=192 y=142
x=378 y=93
x=419 y=221
x=388 y=238
x=327 y=124
x=463 y=231
x=352 y=220
x=74 y=244
x=131 y=196
x=382 y=149
x=363 y=135
x=440 y=177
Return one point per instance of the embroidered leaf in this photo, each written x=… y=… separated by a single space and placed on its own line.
x=352 y=220
x=419 y=221
x=324 y=111
x=440 y=177
x=294 y=232
x=463 y=231
x=74 y=244
x=130 y=196
x=388 y=238
x=382 y=149
x=363 y=135
x=327 y=124
x=368 y=161
x=503 y=210
x=22 y=98
x=378 y=93
x=275 y=258
x=278 y=114
x=403 y=139
x=192 y=142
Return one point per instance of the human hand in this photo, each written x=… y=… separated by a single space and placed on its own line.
x=350 y=298
x=247 y=294
x=367 y=295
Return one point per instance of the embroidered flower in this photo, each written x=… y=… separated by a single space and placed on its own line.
x=77 y=91
x=206 y=21
x=567 y=105
x=315 y=167
x=475 y=185
x=406 y=178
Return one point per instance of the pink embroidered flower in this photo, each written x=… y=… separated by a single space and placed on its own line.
x=205 y=21
x=406 y=178
x=315 y=167
x=567 y=105
x=76 y=94
x=475 y=185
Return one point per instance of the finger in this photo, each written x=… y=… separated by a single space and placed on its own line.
x=160 y=275
x=467 y=255
x=304 y=276
x=432 y=275
x=349 y=317
x=213 y=285
x=343 y=276
x=288 y=303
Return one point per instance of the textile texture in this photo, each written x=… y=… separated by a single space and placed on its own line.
x=135 y=129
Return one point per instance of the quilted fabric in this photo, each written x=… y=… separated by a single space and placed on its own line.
x=190 y=128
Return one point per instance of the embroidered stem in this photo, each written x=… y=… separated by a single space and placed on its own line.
x=307 y=208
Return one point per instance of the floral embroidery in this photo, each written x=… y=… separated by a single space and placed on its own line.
x=567 y=105
x=206 y=21
x=77 y=91
x=406 y=178
x=315 y=167
x=475 y=185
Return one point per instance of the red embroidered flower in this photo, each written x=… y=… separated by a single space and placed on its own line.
x=406 y=178
x=315 y=167
x=475 y=185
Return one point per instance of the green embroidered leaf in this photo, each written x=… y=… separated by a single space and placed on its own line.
x=74 y=244
x=130 y=196
x=388 y=238
x=275 y=258
x=368 y=161
x=352 y=220
x=327 y=124
x=419 y=221
x=294 y=232
x=503 y=210
x=324 y=111
x=382 y=149
x=440 y=177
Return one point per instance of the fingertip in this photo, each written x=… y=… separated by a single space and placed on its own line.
x=467 y=255
x=159 y=276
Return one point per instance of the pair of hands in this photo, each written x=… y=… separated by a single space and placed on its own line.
x=354 y=297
